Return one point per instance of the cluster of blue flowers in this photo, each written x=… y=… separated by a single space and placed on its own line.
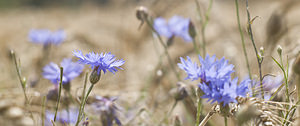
x=46 y=37
x=99 y=62
x=215 y=79
x=176 y=26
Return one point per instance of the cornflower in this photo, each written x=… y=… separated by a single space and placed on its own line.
x=215 y=79
x=101 y=62
x=176 y=26
x=70 y=71
x=46 y=37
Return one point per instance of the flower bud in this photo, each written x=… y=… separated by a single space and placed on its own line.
x=142 y=14
x=192 y=30
x=180 y=92
x=279 y=50
x=95 y=75
x=261 y=54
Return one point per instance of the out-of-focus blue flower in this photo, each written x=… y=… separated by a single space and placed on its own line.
x=46 y=37
x=103 y=61
x=215 y=78
x=270 y=84
x=176 y=26
x=70 y=71
x=107 y=110
x=63 y=117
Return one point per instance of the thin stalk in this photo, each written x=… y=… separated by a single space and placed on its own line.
x=199 y=106
x=23 y=83
x=204 y=24
x=255 y=49
x=243 y=40
x=165 y=49
x=59 y=92
x=196 y=47
x=225 y=121
x=43 y=110
x=285 y=83
x=171 y=110
x=82 y=99
x=207 y=117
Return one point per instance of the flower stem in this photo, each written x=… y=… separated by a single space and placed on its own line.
x=23 y=83
x=59 y=93
x=225 y=121
x=43 y=110
x=243 y=41
x=199 y=110
x=255 y=49
x=82 y=99
x=196 y=47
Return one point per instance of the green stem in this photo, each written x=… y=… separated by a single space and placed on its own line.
x=43 y=110
x=243 y=40
x=23 y=83
x=82 y=99
x=204 y=24
x=225 y=121
x=198 y=111
x=59 y=93
x=196 y=47
x=255 y=49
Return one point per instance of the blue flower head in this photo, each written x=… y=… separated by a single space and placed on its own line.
x=103 y=61
x=47 y=37
x=176 y=26
x=215 y=78
x=63 y=117
x=70 y=71
x=210 y=69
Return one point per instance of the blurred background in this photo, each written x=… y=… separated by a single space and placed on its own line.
x=112 y=26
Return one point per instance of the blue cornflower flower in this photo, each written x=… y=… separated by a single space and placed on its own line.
x=215 y=76
x=107 y=110
x=103 y=61
x=210 y=68
x=63 y=117
x=46 y=37
x=70 y=71
x=176 y=26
